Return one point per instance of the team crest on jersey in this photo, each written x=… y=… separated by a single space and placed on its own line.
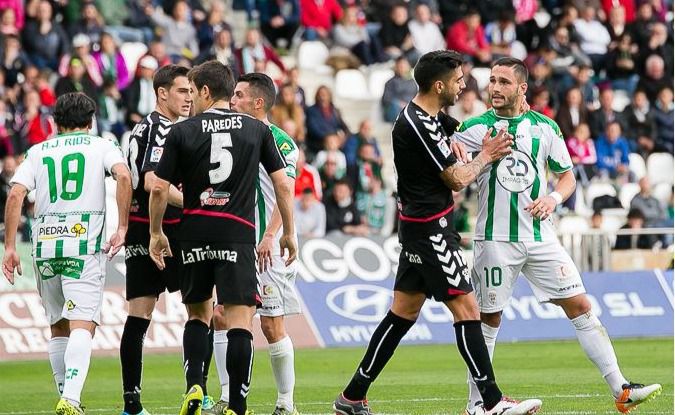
x=500 y=125
x=285 y=148
x=156 y=154
x=209 y=197
x=443 y=222
x=60 y=230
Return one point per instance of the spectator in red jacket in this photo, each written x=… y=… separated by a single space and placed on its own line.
x=318 y=16
x=467 y=36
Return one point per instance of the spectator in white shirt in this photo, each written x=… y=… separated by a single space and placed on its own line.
x=594 y=37
x=469 y=106
x=426 y=34
x=310 y=216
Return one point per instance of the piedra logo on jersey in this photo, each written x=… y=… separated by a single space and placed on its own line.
x=209 y=197
x=60 y=230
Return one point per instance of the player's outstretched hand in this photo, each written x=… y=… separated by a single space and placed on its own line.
x=159 y=248
x=459 y=151
x=542 y=207
x=497 y=147
x=10 y=262
x=288 y=242
x=265 y=252
x=116 y=242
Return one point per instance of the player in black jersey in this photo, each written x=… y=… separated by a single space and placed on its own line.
x=431 y=263
x=144 y=282
x=215 y=155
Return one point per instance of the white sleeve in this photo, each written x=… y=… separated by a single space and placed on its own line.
x=113 y=155
x=471 y=137
x=25 y=173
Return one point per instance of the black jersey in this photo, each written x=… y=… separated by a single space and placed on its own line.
x=421 y=153
x=146 y=146
x=215 y=155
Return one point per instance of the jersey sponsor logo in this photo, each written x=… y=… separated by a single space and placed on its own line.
x=156 y=154
x=516 y=172
x=67 y=267
x=60 y=230
x=206 y=253
x=135 y=207
x=131 y=251
x=412 y=258
x=209 y=197
x=217 y=125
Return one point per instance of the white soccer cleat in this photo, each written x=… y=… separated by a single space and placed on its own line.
x=508 y=406
x=634 y=394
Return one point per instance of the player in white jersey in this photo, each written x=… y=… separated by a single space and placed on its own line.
x=67 y=173
x=514 y=232
x=254 y=95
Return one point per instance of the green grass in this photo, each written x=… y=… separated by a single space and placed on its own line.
x=418 y=380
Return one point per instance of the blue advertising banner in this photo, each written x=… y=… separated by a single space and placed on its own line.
x=346 y=287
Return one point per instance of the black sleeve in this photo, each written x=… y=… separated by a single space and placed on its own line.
x=168 y=165
x=156 y=139
x=429 y=135
x=270 y=157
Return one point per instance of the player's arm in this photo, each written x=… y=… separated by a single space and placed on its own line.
x=457 y=177
x=122 y=175
x=175 y=196
x=11 y=260
x=267 y=243
x=283 y=190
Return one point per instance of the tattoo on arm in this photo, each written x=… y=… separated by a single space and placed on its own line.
x=461 y=176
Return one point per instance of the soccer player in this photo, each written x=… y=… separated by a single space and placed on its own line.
x=67 y=173
x=254 y=94
x=144 y=282
x=431 y=263
x=519 y=235
x=215 y=155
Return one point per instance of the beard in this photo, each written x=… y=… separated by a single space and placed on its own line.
x=448 y=99
x=506 y=102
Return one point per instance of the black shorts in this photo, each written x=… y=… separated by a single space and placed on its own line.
x=434 y=266
x=144 y=279
x=230 y=267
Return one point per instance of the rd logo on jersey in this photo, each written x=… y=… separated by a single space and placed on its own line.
x=209 y=197
x=60 y=230
x=516 y=172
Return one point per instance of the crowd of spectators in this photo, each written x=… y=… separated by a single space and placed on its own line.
x=584 y=56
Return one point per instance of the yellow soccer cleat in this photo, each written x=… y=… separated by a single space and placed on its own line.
x=231 y=412
x=64 y=407
x=192 y=401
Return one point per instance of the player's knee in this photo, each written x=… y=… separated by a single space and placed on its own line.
x=272 y=328
x=60 y=329
x=491 y=319
x=575 y=306
x=142 y=307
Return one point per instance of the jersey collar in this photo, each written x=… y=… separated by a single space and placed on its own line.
x=499 y=117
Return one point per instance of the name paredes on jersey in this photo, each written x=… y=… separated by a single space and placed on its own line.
x=206 y=253
x=220 y=124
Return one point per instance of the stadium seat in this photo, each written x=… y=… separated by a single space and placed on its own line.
x=133 y=52
x=573 y=224
x=596 y=189
x=312 y=55
x=662 y=192
x=612 y=223
x=636 y=164
x=377 y=79
x=482 y=76
x=627 y=193
x=351 y=84
x=660 y=168
x=621 y=100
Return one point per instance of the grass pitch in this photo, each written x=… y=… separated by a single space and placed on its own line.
x=418 y=380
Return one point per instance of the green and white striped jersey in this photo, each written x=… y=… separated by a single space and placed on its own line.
x=67 y=173
x=512 y=183
x=265 y=198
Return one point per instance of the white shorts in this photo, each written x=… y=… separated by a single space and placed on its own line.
x=71 y=288
x=277 y=289
x=546 y=265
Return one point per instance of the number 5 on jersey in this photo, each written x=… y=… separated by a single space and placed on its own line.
x=222 y=156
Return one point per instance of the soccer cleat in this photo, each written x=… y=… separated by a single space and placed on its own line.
x=283 y=411
x=343 y=406
x=634 y=394
x=64 y=407
x=143 y=412
x=472 y=411
x=231 y=412
x=219 y=408
x=192 y=401
x=508 y=406
x=208 y=403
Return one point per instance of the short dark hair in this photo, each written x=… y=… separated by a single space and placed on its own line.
x=636 y=213
x=435 y=66
x=165 y=76
x=216 y=76
x=518 y=67
x=74 y=110
x=261 y=86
